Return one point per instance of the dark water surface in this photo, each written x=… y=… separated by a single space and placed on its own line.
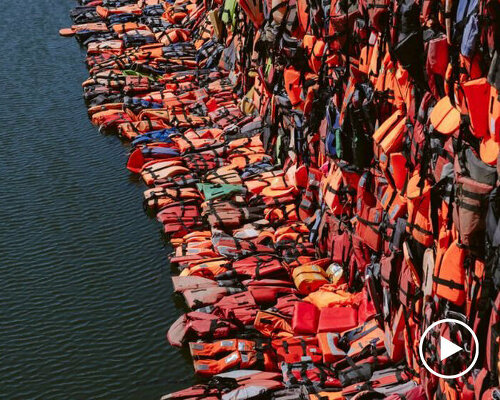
x=85 y=293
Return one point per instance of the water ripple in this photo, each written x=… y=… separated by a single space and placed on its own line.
x=85 y=292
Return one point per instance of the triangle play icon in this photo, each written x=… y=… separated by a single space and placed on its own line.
x=447 y=348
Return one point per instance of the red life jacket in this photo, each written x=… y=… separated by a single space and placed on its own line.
x=285 y=306
x=268 y=294
x=305 y=318
x=178 y=218
x=492 y=339
x=198 y=325
x=272 y=325
x=409 y=280
x=337 y=319
x=394 y=336
x=240 y=307
x=260 y=266
x=369 y=214
x=308 y=373
x=297 y=349
x=201 y=297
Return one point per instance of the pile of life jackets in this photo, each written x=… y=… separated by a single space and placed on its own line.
x=327 y=173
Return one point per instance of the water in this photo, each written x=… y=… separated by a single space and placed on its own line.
x=85 y=292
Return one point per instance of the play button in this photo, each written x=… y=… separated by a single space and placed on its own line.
x=447 y=348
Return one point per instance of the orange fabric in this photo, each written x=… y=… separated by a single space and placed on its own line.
x=449 y=274
x=331 y=295
x=477 y=93
x=444 y=117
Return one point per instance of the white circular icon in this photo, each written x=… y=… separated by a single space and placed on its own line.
x=450 y=349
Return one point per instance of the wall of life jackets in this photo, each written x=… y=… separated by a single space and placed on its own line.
x=327 y=174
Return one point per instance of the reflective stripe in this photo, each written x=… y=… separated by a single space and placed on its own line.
x=231 y=358
x=334 y=350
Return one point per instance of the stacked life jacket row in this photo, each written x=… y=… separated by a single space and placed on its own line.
x=327 y=174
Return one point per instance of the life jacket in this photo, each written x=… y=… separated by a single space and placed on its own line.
x=414 y=146
x=181 y=283
x=477 y=94
x=115 y=47
x=332 y=191
x=436 y=62
x=297 y=349
x=383 y=381
x=243 y=354
x=494 y=114
x=266 y=292
x=492 y=341
x=285 y=306
x=158 y=171
x=239 y=307
x=207 y=267
x=293 y=79
x=444 y=117
x=234 y=360
x=489 y=150
x=409 y=280
x=378 y=13
x=446 y=390
x=394 y=166
x=308 y=278
x=340 y=26
x=394 y=336
x=443 y=155
x=369 y=214
x=303 y=8
x=328 y=343
x=337 y=319
x=388 y=138
x=145 y=155
x=314 y=48
x=130 y=130
x=350 y=372
x=474 y=180
x=419 y=220
x=449 y=274
x=201 y=297
x=390 y=269
x=260 y=266
x=160 y=196
x=305 y=318
x=253 y=10
x=177 y=218
x=234 y=384
x=109 y=120
x=366 y=338
x=428 y=265
x=272 y=325
x=198 y=325
x=309 y=202
x=235 y=248
x=310 y=373
x=393 y=203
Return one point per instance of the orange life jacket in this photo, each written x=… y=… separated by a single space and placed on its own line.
x=419 y=219
x=449 y=272
x=308 y=278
